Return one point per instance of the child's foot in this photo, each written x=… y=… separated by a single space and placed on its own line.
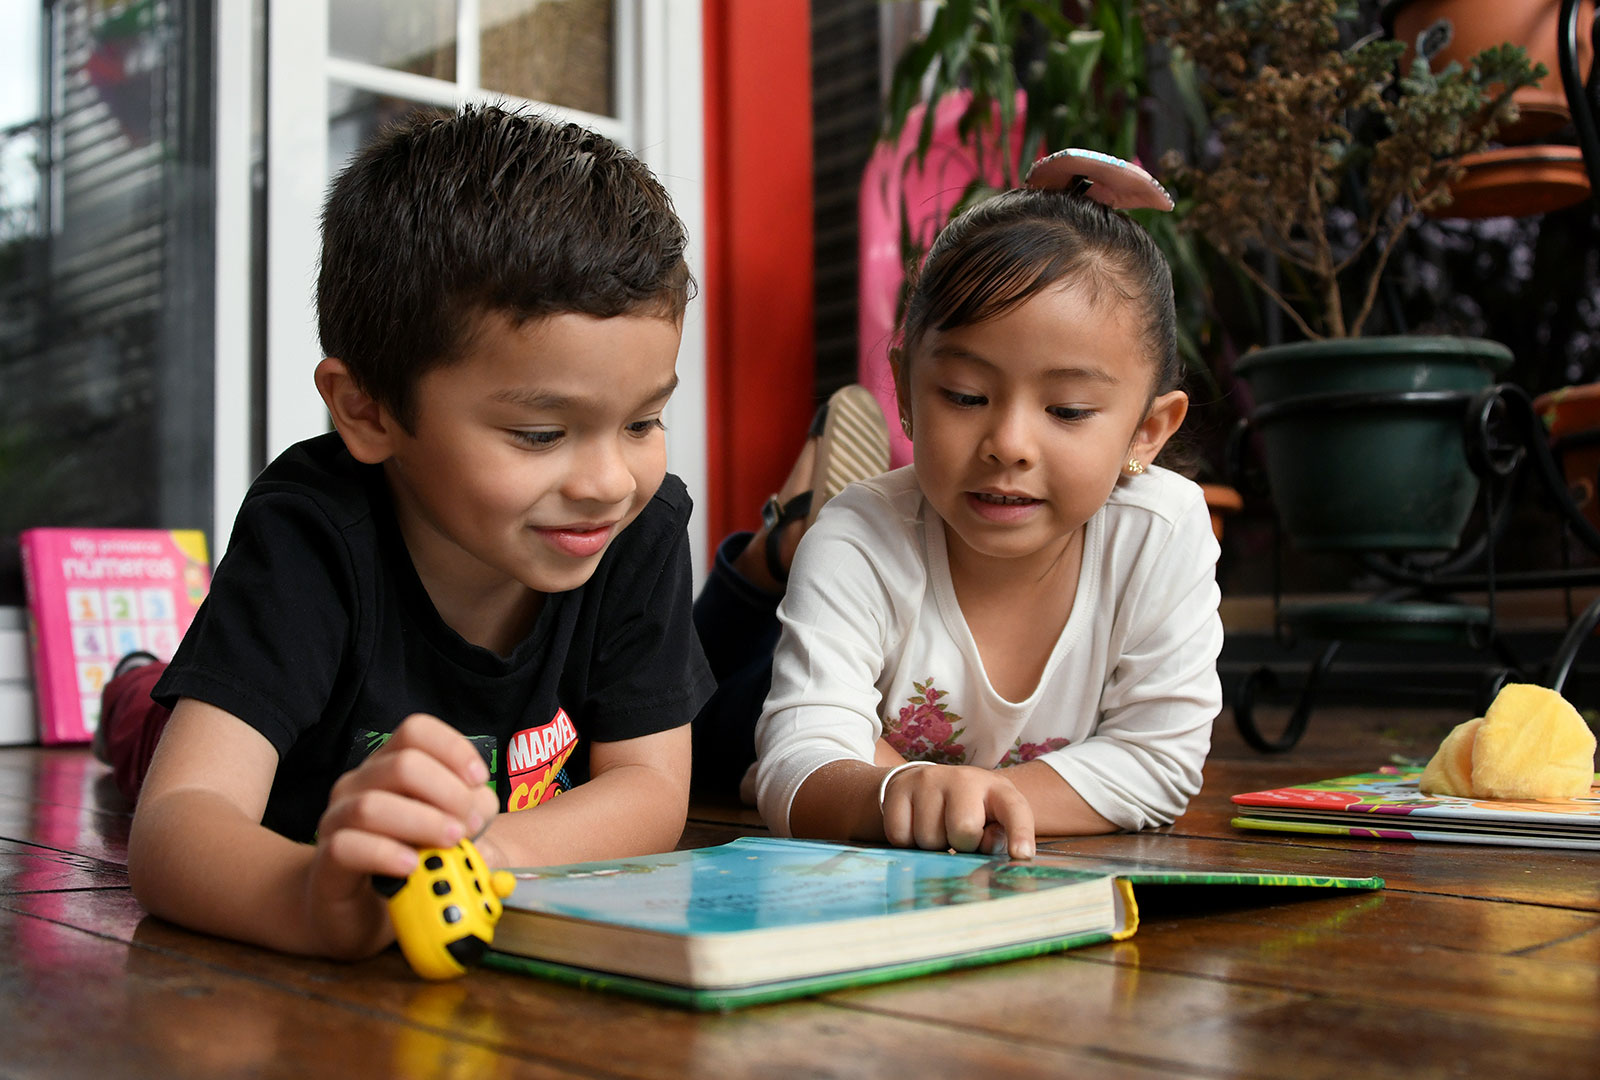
x=98 y=742
x=848 y=440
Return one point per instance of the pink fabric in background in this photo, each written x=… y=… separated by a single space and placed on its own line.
x=929 y=191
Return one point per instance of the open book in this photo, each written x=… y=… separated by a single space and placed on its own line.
x=762 y=919
x=1387 y=805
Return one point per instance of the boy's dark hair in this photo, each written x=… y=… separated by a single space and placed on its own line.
x=442 y=218
x=1004 y=250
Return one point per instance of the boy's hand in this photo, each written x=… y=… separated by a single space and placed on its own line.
x=425 y=787
x=958 y=806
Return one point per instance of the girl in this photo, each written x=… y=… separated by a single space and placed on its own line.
x=1029 y=610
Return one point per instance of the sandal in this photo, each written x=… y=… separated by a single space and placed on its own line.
x=852 y=444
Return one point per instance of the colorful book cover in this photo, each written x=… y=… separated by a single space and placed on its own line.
x=795 y=918
x=95 y=595
x=1387 y=805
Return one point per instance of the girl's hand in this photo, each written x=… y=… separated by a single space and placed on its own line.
x=958 y=806
x=425 y=787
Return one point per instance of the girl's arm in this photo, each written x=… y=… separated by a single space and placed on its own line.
x=1058 y=810
x=199 y=856
x=1143 y=762
x=933 y=807
x=636 y=802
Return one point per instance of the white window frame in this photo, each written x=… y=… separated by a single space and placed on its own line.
x=658 y=51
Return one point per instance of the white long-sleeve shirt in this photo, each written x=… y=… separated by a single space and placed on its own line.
x=874 y=643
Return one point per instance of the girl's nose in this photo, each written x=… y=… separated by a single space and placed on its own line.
x=1009 y=440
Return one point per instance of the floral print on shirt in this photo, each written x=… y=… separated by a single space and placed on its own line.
x=926 y=730
x=1027 y=751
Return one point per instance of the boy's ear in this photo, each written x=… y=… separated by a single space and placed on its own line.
x=1160 y=422
x=365 y=426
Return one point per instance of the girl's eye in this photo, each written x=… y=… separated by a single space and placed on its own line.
x=1069 y=414
x=537 y=440
x=965 y=401
x=642 y=428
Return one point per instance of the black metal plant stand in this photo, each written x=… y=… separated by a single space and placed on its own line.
x=1506 y=446
x=1504 y=441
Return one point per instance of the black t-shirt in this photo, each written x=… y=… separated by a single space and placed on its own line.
x=318 y=633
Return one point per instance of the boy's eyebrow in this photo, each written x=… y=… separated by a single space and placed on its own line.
x=545 y=400
x=1093 y=374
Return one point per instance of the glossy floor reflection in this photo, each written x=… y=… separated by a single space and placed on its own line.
x=1474 y=961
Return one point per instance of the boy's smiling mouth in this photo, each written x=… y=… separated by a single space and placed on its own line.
x=579 y=540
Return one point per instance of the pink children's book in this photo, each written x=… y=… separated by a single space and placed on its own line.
x=96 y=595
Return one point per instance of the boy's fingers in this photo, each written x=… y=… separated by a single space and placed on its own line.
x=365 y=853
x=413 y=772
x=390 y=814
x=438 y=739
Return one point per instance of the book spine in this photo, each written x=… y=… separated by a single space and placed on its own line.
x=38 y=645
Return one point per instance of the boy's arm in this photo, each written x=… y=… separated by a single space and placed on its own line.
x=199 y=856
x=635 y=803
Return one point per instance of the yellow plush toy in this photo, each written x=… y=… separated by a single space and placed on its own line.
x=1531 y=744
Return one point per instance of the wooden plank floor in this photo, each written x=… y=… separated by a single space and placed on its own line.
x=1473 y=962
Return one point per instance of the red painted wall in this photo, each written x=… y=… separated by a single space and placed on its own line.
x=757 y=281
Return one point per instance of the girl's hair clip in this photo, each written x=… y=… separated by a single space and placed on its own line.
x=1119 y=184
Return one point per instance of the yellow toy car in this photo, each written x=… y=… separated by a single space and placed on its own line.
x=445 y=913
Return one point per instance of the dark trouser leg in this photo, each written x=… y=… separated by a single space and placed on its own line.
x=738 y=627
x=133 y=724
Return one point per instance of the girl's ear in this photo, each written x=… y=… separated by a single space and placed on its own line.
x=365 y=426
x=902 y=387
x=1160 y=422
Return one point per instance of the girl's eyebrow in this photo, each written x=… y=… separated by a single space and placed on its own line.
x=944 y=351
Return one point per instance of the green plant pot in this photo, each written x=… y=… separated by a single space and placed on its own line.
x=1386 y=475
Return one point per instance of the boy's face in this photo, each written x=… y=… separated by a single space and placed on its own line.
x=533 y=451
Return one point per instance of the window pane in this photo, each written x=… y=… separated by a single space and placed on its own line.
x=549 y=50
x=355 y=116
x=418 y=36
x=106 y=270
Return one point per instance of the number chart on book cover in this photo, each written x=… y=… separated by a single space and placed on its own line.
x=96 y=595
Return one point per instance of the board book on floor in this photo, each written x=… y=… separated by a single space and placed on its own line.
x=1387 y=805
x=96 y=595
x=763 y=919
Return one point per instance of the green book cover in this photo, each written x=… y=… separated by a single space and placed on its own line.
x=763 y=919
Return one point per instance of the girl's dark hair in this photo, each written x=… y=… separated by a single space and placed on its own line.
x=1004 y=250
x=443 y=218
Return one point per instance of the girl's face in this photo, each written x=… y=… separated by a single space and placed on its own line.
x=1021 y=424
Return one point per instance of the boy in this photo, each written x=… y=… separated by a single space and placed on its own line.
x=475 y=595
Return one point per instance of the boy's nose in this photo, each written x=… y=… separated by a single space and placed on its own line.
x=601 y=474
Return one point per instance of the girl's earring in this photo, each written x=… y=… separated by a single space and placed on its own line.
x=905 y=425
x=1134 y=467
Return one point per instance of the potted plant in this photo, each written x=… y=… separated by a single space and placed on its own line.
x=1322 y=152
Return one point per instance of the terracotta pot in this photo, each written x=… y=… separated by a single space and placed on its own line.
x=1221 y=500
x=1517 y=181
x=1572 y=414
x=1480 y=24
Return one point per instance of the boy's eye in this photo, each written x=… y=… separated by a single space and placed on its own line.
x=965 y=401
x=537 y=439
x=645 y=427
x=1069 y=413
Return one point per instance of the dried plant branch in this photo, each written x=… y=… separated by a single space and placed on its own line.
x=1304 y=123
